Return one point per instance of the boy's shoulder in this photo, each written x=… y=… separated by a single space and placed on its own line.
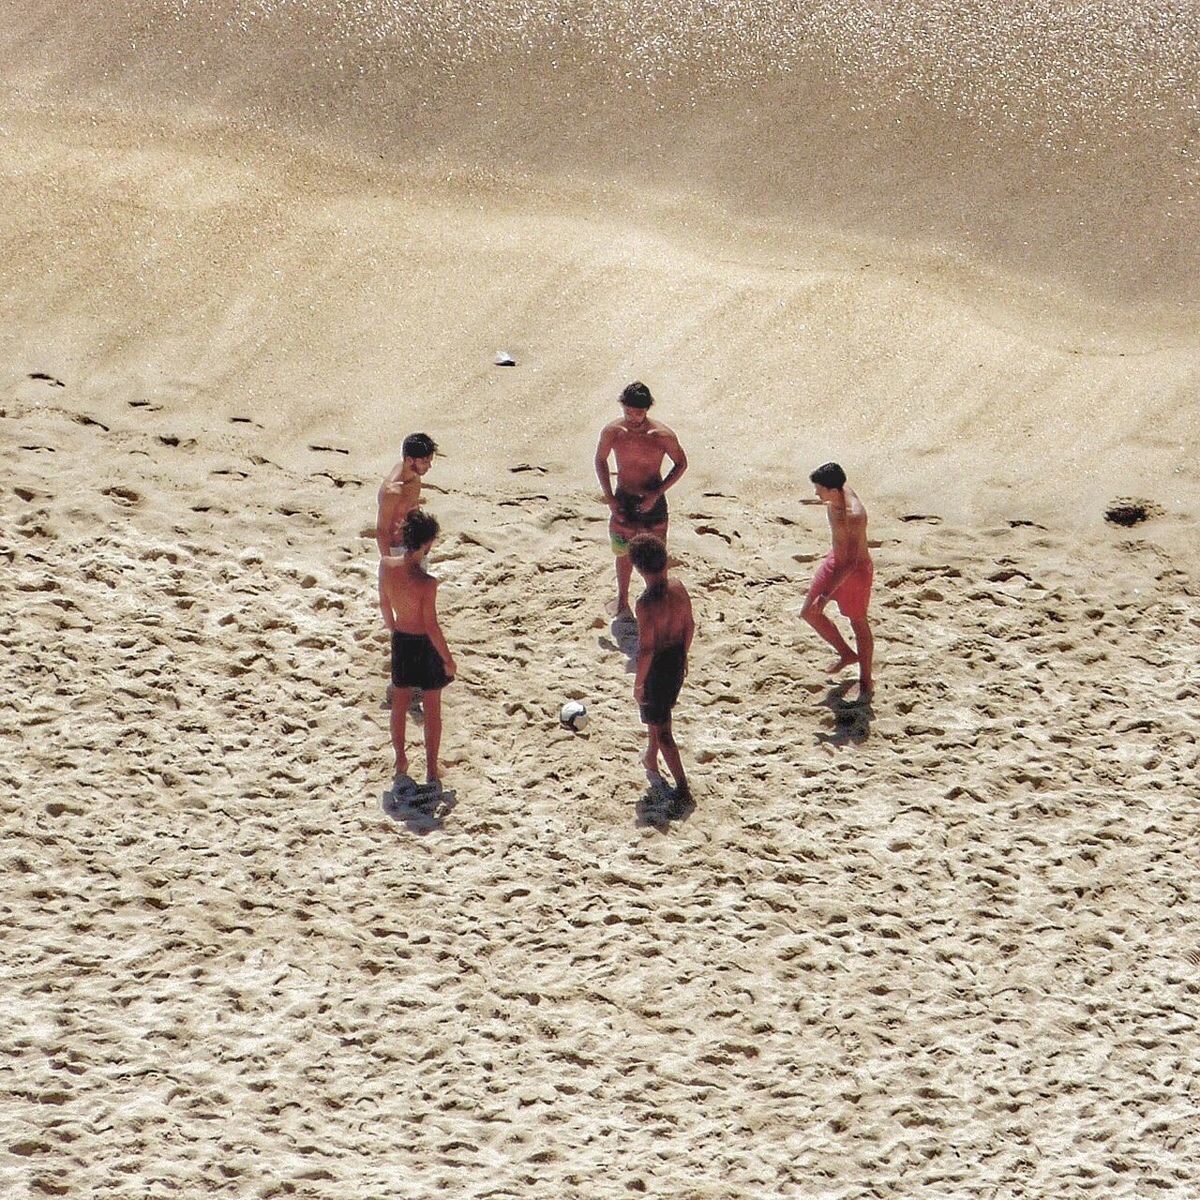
x=401 y=487
x=398 y=566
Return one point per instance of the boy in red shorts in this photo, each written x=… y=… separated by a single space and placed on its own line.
x=844 y=576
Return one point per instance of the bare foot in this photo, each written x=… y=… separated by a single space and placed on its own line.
x=859 y=695
x=681 y=801
x=619 y=611
x=653 y=775
x=840 y=664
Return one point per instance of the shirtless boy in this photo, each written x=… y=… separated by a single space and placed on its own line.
x=400 y=492
x=844 y=576
x=639 y=503
x=420 y=657
x=665 y=631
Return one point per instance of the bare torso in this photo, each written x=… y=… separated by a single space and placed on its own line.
x=408 y=589
x=639 y=453
x=848 y=527
x=397 y=498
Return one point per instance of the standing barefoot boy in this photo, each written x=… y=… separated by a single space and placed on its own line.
x=665 y=631
x=639 y=504
x=420 y=656
x=398 y=495
x=844 y=576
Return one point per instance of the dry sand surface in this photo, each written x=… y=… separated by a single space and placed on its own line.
x=944 y=946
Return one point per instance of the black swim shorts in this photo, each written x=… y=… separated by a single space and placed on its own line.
x=663 y=681
x=628 y=503
x=416 y=664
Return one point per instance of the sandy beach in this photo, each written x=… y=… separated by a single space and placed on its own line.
x=944 y=945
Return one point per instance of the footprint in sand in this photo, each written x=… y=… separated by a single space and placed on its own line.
x=1128 y=511
x=84 y=419
x=126 y=497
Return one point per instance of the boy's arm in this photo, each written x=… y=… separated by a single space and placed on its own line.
x=689 y=628
x=645 y=649
x=385 y=604
x=679 y=463
x=433 y=630
x=603 y=474
x=390 y=500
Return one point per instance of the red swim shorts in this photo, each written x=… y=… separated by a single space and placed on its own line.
x=854 y=594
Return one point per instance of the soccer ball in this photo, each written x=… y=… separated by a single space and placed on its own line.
x=573 y=715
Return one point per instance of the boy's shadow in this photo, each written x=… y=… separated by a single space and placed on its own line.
x=624 y=632
x=421 y=811
x=852 y=718
x=657 y=808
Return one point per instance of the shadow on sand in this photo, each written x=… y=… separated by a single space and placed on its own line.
x=851 y=718
x=625 y=639
x=421 y=810
x=658 y=807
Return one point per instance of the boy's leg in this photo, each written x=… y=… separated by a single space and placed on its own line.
x=670 y=752
x=398 y=723
x=650 y=758
x=624 y=574
x=864 y=640
x=433 y=734
x=828 y=630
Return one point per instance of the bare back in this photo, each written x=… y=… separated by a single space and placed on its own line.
x=409 y=595
x=848 y=527
x=665 y=619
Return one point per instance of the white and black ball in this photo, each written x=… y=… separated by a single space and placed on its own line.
x=573 y=715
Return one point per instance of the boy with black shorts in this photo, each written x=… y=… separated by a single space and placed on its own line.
x=398 y=495
x=665 y=631
x=638 y=504
x=420 y=656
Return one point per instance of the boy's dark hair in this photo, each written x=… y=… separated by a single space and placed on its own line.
x=637 y=395
x=648 y=553
x=419 y=445
x=419 y=527
x=829 y=475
